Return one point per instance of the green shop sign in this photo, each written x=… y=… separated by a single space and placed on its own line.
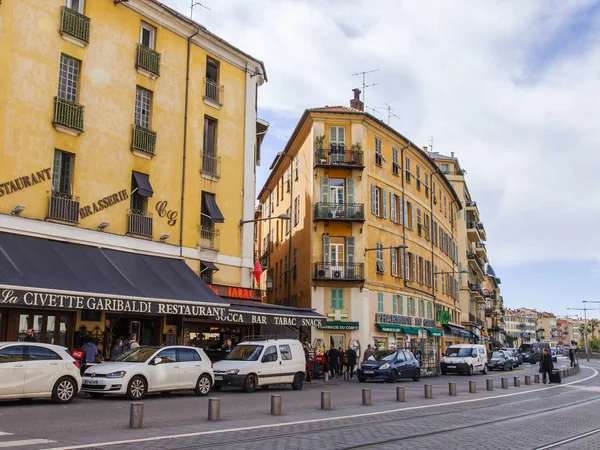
x=338 y=326
x=444 y=317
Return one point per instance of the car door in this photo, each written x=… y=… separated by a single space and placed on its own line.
x=190 y=367
x=12 y=370
x=43 y=368
x=163 y=373
x=400 y=364
x=411 y=363
x=288 y=369
x=270 y=367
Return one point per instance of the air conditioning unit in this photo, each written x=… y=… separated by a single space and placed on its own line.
x=337 y=274
x=321 y=273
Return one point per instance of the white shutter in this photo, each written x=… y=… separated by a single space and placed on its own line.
x=326 y=248
x=394 y=262
x=333 y=135
x=392 y=207
x=401 y=256
x=350 y=250
x=341 y=135
x=384 y=201
x=401 y=211
x=324 y=189
x=350 y=190
x=405 y=213
x=373 y=200
x=413 y=218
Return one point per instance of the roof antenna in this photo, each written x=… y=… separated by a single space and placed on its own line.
x=389 y=110
x=199 y=3
x=431 y=144
x=364 y=85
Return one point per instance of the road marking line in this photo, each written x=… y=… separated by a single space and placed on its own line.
x=24 y=442
x=566 y=441
x=2 y=433
x=326 y=419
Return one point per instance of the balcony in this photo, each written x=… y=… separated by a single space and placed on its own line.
x=140 y=224
x=353 y=212
x=213 y=92
x=63 y=208
x=211 y=165
x=481 y=231
x=264 y=259
x=489 y=312
x=68 y=116
x=143 y=141
x=339 y=271
x=74 y=27
x=147 y=61
x=339 y=156
x=210 y=238
x=481 y=250
x=475 y=263
x=473 y=232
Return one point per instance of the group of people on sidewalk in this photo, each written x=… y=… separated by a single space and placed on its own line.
x=337 y=360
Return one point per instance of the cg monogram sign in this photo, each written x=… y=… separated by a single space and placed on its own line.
x=163 y=211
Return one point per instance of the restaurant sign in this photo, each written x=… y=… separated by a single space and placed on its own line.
x=72 y=301
x=404 y=320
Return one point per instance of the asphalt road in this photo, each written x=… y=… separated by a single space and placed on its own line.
x=530 y=416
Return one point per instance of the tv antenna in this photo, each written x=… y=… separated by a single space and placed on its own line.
x=200 y=4
x=364 y=84
x=390 y=113
x=431 y=144
x=373 y=110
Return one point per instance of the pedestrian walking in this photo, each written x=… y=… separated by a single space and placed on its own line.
x=350 y=361
x=334 y=357
x=368 y=352
x=91 y=351
x=227 y=348
x=572 y=357
x=546 y=365
x=117 y=349
x=307 y=357
x=341 y=361
x=30 y=336
x=133 y=343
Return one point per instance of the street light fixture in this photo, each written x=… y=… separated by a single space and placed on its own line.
x=280 y=216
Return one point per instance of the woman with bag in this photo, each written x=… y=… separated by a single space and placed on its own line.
x=546 y=365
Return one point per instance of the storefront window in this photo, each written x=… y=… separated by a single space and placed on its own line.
x=50 y=326
x=337 y=340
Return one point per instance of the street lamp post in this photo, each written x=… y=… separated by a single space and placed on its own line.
x=585 y=331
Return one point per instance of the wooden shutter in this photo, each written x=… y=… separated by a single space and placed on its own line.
x=350 y=190
x=392 y=207
x=350 y=250
x=401 y=304
x=324 y=189
x=384 y=201
x=341 y=135
x=413 y=218
x=394 y=262
x=405 y=213
x=332 y=135
x=373 y=200
x=326 y=248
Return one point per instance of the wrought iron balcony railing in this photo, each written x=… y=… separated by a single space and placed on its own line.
x=340 y=211
x=63 y=207
x=148 y=59
x=213 y=91
x=140 y=224
x=75 y=24
x=339 y=156
x=68 y=114
x=143 y=140
x=210 y=238
x=211 y=165
x=339 y=271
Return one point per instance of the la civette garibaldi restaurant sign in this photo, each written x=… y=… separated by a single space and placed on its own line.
x=18 y=184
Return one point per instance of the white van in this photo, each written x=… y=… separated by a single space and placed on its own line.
x=464 y=358
x=262 y=363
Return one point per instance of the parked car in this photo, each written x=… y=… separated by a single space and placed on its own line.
x=501 y=360
x=389 y=365
x=532 y=353
x=512 y=353
x=262 y=363
x=464 y=358
x=151 y=369
x=517 y=354
x=32 y=370
x=553 y=353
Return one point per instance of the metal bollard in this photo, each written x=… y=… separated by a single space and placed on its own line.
x=366 y=397
x=527 y=380
x=517 y=382
x=504 y=383
x=136 y=415
x=275 y=405
x=472 y=387
x=428 y=391
x=214 y=409
x=400 y=394
x=325 y=400
x=536 y=378
x=325 y=377
x=452 y=389
x=489 y=384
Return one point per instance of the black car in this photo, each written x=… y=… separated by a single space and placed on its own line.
x=500 y=360
x=389 y=365
x=517 y=354
x=511 y=352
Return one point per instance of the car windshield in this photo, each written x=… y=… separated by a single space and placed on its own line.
x=525 y=348
x=245 y=353
x=498 y=355
x=136 y=355
x=383 y=355
x=461 y=352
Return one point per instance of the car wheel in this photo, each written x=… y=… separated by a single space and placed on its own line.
x=393 y=376
x=470 y=371
x=96 y=394
x=136 y=389
x=203 y=385
x=298 y=381
x=250 y=383
x=417 y=377
x=64 y=390
x=361 y=380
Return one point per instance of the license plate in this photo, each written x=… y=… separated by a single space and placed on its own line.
x=369 y=372
x=451 y=367
x=218 y=378
x=92 y=382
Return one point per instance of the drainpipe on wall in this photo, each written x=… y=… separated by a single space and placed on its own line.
x=291 y=232
x=185 y=123
x=402 y=210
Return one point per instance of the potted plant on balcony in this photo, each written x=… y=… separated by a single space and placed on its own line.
x=319 y=142
x=357 y=154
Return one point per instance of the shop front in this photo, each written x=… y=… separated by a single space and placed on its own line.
x=338 y=333
x=455 y=334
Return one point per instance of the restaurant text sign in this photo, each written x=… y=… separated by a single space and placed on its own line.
x=12 y=186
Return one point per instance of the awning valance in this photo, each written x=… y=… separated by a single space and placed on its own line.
x=458 y=331
x=253 y=312
x=210 y=208
x=143 y=184
x=60 y=275
x=434 y=332
x=210 y=266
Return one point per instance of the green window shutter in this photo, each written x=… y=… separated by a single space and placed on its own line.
x=350 y=190
x=380 y=302
x=401 y=304
x=392 y=207
x=340 y=299
x=333 y=298
x=326 y=249
x=395 y=303
x=384 y=201
x=373 y=200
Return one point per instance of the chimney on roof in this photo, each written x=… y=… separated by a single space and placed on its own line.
x=452 y=153
x=355 y=102
x=425 y=149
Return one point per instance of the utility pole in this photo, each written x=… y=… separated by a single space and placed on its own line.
x=364 y=84
x=585 y=330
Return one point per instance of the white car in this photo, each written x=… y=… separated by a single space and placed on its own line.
x=151 y=369
x=262 y=363
x=32 y=370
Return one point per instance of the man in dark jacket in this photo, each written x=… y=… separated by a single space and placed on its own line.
x=350 y=361
x=334 y=357
x=227 y=348
x=30 y=336
x=546 y=365
x=572 y=357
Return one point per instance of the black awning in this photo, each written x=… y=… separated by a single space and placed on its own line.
x=267 y=314
x=45 y=273
x=210 y=266
x=143 y=184
x=458 y=331
x=210 y=208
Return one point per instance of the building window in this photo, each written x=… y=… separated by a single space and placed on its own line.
x=427 y=185
x=407 y=169
x=138 y=202
x=401 y=309
x=294 y=261
x=287 y=223
x=418 y=177
x=147 y=35
x=68 y=78
x=395 y=165
x=378 y=154
x=379 y=257
x=296 y=166
x=296 y=210
x=206 y=274
x=394 y=262
x=421 y=308
x=395 y=304
x=76 y=5
x=212 y=79
x=393 y=202
x=143 y=102
x=62 y=173
x=375 y=200
x=419 y=222
x=337 y=138
x=414 y=268
x=336 y=298
x=380 y=302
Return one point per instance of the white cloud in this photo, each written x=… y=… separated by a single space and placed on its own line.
x=498 y=85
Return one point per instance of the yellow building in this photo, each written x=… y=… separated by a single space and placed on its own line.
x=128 y=127
x=357 y=191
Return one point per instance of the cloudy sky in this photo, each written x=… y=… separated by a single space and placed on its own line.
x=510 y=86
